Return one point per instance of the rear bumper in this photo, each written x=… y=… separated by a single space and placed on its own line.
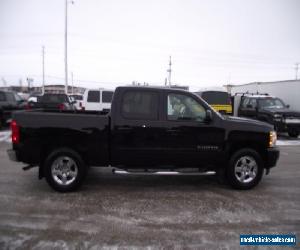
x=12 y=155
x=272 y=157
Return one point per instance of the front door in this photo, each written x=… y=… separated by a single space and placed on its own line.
x=190 y=140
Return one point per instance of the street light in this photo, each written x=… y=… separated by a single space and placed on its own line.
x=66 y=44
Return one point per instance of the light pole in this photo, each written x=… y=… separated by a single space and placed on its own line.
x=66 y=44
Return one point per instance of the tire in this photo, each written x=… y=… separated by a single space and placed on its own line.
x=64 y=170
x=293 y=133
x=245 y=169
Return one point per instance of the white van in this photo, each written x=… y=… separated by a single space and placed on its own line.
x=96 y=99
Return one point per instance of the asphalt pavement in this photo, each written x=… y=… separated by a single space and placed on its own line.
x=117 y=211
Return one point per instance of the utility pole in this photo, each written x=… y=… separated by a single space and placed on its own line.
x=170 y=71
x=296 y=70
x=72 y=82
x=66 y=44
x=43 y=55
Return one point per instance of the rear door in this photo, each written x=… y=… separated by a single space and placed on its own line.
x=136 y=129
x=106 y=98
x=248 y=107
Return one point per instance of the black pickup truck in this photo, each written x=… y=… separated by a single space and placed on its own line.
x=272 y=110
x=148 y=129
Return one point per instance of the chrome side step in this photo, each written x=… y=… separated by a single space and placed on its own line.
x=115 y=171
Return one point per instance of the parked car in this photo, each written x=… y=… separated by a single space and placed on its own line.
x=51 y=101
x=219 y=100
x=78 y=98
x=34 y=97
x=9 y=102
x=96 y=100
x=148 y=129
x=272 y=110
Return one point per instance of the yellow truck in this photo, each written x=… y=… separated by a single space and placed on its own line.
x=218 y=99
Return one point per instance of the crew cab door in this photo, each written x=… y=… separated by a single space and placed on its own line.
x=190 y=140
x=248 y=107
x=136 y=132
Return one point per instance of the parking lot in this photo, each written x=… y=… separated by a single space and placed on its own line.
x=145 y=211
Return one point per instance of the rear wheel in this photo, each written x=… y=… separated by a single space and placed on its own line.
x=64 y=170
x=245 y=169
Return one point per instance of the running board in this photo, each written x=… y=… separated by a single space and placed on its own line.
x=163 y=173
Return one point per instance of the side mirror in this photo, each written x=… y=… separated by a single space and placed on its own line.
x=208 y=117
x=288 y=106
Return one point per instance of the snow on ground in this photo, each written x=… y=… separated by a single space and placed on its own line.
x=5 y=136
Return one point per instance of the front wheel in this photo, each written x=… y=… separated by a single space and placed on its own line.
x=64 y=170
x=245 y=169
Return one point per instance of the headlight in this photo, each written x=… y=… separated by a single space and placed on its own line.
x=272 y=139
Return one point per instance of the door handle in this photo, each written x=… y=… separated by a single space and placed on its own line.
x=125 y=128
x=172 y=130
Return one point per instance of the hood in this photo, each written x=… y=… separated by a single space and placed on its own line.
x=283 y=111
x=248 y=124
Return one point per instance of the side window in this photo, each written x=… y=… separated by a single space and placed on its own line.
x=10 y=97
x=253 y=103
x=93 y=96
x=140 y=105
x=107 y=96
x=182 y=107
x=2 y=97
x=245 y=102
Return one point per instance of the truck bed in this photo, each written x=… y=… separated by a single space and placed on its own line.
x=41 y=131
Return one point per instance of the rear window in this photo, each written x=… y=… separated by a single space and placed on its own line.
x=53 y=98
x=216 y=97
x=77 y=97
x=93 y=96
x=107 y=96
x=2 y=97
x=140 y=105
x=10 y=97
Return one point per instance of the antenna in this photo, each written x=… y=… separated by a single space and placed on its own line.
x=296 y=70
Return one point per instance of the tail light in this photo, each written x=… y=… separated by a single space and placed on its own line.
x=81 y=106
x=15 y=132
x=28 y=106
x=61 y=106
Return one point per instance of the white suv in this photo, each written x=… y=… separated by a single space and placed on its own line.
x=96 y=99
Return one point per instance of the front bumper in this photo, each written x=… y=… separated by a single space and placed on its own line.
x=12 y=155
x=272 y=157
x=287 y=126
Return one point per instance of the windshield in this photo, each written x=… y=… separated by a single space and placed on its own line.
x=275 y=103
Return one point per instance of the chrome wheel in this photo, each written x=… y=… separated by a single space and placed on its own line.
x=245 y=169
x=64 y=170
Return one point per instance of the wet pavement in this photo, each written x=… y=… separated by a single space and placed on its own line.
x=112 y=211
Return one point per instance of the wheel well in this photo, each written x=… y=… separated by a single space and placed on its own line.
x=248 y=144
x=50 y=148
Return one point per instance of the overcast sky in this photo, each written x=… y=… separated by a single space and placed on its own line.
x=113 y=42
